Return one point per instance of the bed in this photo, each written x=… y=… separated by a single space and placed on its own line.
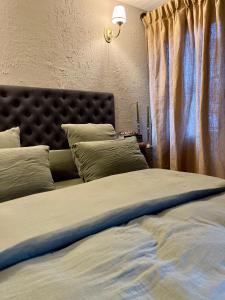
x=148 y=234
x=39 y=112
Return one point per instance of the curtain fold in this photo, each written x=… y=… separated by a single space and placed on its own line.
x=186 y=47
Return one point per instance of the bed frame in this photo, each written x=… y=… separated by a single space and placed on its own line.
x=39 y=112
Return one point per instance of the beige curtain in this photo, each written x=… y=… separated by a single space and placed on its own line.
x=186 y=46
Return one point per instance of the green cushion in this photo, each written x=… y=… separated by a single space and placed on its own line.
x=10 y=138
x=24 y=171
x=104 y=158
x=62 y=165
x=88 y=132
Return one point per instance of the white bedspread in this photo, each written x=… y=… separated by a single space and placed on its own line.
x=178 y=254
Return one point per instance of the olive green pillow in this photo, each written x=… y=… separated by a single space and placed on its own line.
x=62 y=165
x=24 y=171
x=10 y=138
x=88 y=132
x=104 y=158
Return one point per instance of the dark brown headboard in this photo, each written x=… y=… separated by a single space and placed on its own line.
x=39 y=112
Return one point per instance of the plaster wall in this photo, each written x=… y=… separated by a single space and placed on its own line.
x=60 y=44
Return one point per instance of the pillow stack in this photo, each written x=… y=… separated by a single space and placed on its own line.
x=95 y=152
x=98 y=153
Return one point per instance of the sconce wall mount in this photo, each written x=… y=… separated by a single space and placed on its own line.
x=119 y=18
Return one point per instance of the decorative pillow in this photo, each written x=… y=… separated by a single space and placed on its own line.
x=62 y=165
x=104 y=158
x=88 y=132
x=10 y=138
x=24 y=171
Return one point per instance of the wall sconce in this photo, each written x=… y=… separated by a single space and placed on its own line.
x=119 y=18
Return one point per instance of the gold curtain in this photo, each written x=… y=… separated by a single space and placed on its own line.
x=186 y=46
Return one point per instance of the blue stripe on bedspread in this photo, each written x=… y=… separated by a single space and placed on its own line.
x=48 y=243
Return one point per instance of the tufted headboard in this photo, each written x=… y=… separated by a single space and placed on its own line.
x=39 y=112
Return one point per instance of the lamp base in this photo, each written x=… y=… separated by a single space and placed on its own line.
x=108 y=35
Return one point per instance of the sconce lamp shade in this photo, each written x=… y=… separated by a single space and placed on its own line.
x=119 y=18
x=119 y=15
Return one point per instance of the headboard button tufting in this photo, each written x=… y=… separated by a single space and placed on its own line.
x=40 y=112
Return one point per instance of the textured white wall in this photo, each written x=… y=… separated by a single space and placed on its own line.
x=59 y=43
